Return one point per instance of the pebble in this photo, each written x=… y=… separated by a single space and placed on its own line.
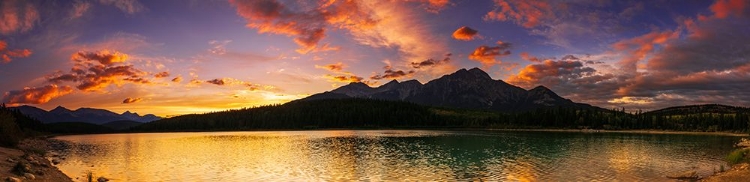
x=11 y=160
x=102 y=179
x=29 y=176
x=12 y=179
x=55 y=161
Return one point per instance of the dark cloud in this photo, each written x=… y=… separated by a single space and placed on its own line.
x=465 y=33
x=431 y=62
x=216 y=81
x=389 y=74
x=94 y=71
x=131 y=100
x=177 y=79
x=38 y=95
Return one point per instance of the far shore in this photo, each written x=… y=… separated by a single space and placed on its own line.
x=630 y=131
x=673 y=132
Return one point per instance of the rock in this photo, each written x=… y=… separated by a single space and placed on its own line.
x=687 y=175
x=55 y=161
x=102 y=179
x=744 y=143
x=29 y=158
x=12 y=179
x=11 y=160
x=21 y=168
x=29 y=176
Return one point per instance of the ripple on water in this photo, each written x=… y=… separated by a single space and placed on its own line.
x=391 y=156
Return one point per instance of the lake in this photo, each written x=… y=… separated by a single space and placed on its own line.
x=391 y=155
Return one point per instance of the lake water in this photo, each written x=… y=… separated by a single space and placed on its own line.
x=399 y=155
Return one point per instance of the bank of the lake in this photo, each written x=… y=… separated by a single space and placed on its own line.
x=28 y=163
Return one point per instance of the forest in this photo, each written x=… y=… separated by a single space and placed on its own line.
x=380 y=114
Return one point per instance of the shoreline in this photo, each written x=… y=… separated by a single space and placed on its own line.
x=32 y=155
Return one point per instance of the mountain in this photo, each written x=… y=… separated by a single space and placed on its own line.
x=86 y=115
x=467 y=89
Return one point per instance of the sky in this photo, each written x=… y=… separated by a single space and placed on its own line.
x=173 y=57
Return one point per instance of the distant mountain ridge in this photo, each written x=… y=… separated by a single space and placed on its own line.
x=86 y=115
x=468 y=89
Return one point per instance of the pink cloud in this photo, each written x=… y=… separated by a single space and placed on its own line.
x=17 y=16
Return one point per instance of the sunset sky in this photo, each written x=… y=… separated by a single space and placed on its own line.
x=172 y=57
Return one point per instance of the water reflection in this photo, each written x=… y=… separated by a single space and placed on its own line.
x=390 y=156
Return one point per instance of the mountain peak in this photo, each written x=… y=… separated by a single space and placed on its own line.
x=540 y=88
x=60 y=109
x=473 y=73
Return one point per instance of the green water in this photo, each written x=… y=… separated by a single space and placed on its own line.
x=400 y=155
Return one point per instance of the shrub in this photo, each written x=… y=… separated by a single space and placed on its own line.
x=738 y=156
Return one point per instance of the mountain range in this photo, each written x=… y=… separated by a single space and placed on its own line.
x=466 y=89
x=86 y=115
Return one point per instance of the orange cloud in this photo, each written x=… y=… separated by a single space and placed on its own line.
x=162 y=74
x=332 y=67
x=93 y=71
x=486 y=54
x=344 y=79
x=35 y=95
x=723 y=8
x=17 y=16
x=551 y=73
x=387 y=24
x=526 y=13
x=131 y=100
x=8 y=55
x=465 y=33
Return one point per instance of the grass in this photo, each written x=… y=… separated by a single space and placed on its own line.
x=739 y=156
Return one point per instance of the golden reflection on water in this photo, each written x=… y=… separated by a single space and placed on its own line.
x=354 y=155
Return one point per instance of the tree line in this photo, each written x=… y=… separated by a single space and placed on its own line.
x=378 y=114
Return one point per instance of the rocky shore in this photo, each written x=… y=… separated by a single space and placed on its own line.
x=29 y=163
x=739 y=172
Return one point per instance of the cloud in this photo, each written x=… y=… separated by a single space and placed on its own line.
x=94 y=71
x=79 y=8
x=380 y=24
x=38 y=95
x=177 y=79
x=337 y=67
x=431 y=62
x=162 y=74
x=486 y=54
x=389 y=73
x=131 y=100
x=527 y=57
x=637 y=48
x=526 y=13
x=17 y=16
x=218 y=47
x=8 y=55
x=344 y=78
x=465 y=33
x=127 y=6
x=725 y=8
x=216 y=81
x=551 y=73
